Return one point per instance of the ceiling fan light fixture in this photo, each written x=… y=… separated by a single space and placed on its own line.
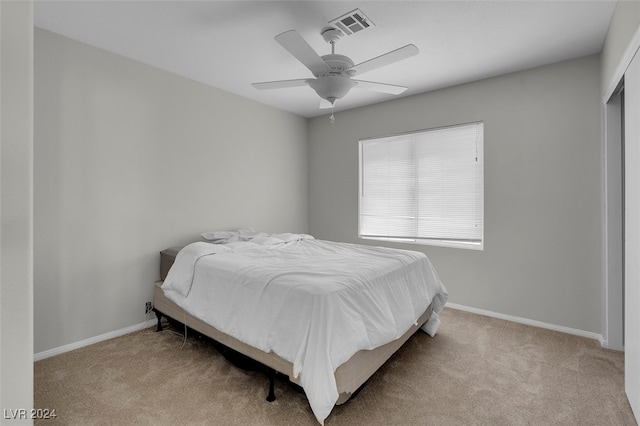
x=332 y=87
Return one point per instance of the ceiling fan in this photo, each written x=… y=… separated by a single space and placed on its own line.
x=333 y=72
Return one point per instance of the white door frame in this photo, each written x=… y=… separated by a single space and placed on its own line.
x=632 y=235
x=612 y=222
x=628 y=73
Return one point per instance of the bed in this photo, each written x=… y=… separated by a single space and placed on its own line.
x=325 y=314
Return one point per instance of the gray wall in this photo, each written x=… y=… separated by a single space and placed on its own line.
x=542 y=257
x=16 y=196
x=130 y=160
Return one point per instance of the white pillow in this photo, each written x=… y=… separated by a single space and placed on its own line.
x=220 y=237
x=217 y=235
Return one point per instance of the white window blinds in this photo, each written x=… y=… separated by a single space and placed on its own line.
x=424 y=187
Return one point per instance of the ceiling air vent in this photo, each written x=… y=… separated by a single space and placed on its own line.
x=352 y=22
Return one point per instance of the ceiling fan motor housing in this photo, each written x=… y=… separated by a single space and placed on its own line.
x=337 y=63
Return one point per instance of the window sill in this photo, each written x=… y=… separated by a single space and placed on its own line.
x=434 y=243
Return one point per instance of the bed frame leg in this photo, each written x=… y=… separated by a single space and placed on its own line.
x=272 y=379
x=159 y=317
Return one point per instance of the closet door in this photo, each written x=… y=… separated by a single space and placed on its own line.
x=632 y=233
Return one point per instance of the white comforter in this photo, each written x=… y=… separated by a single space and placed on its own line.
x=314 y=303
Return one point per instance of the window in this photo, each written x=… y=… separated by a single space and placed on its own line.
x=424 y=187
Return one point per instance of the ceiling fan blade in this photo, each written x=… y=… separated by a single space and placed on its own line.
x=380 y=87
x=298 y=47
x=388 y=58
x=281 y=84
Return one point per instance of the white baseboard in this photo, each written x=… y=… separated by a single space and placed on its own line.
x=90 y=341
x=531 y=322
x=150 y=323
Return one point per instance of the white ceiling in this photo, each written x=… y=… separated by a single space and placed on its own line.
x=229 y=44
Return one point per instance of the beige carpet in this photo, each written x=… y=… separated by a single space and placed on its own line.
x=476 y=371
